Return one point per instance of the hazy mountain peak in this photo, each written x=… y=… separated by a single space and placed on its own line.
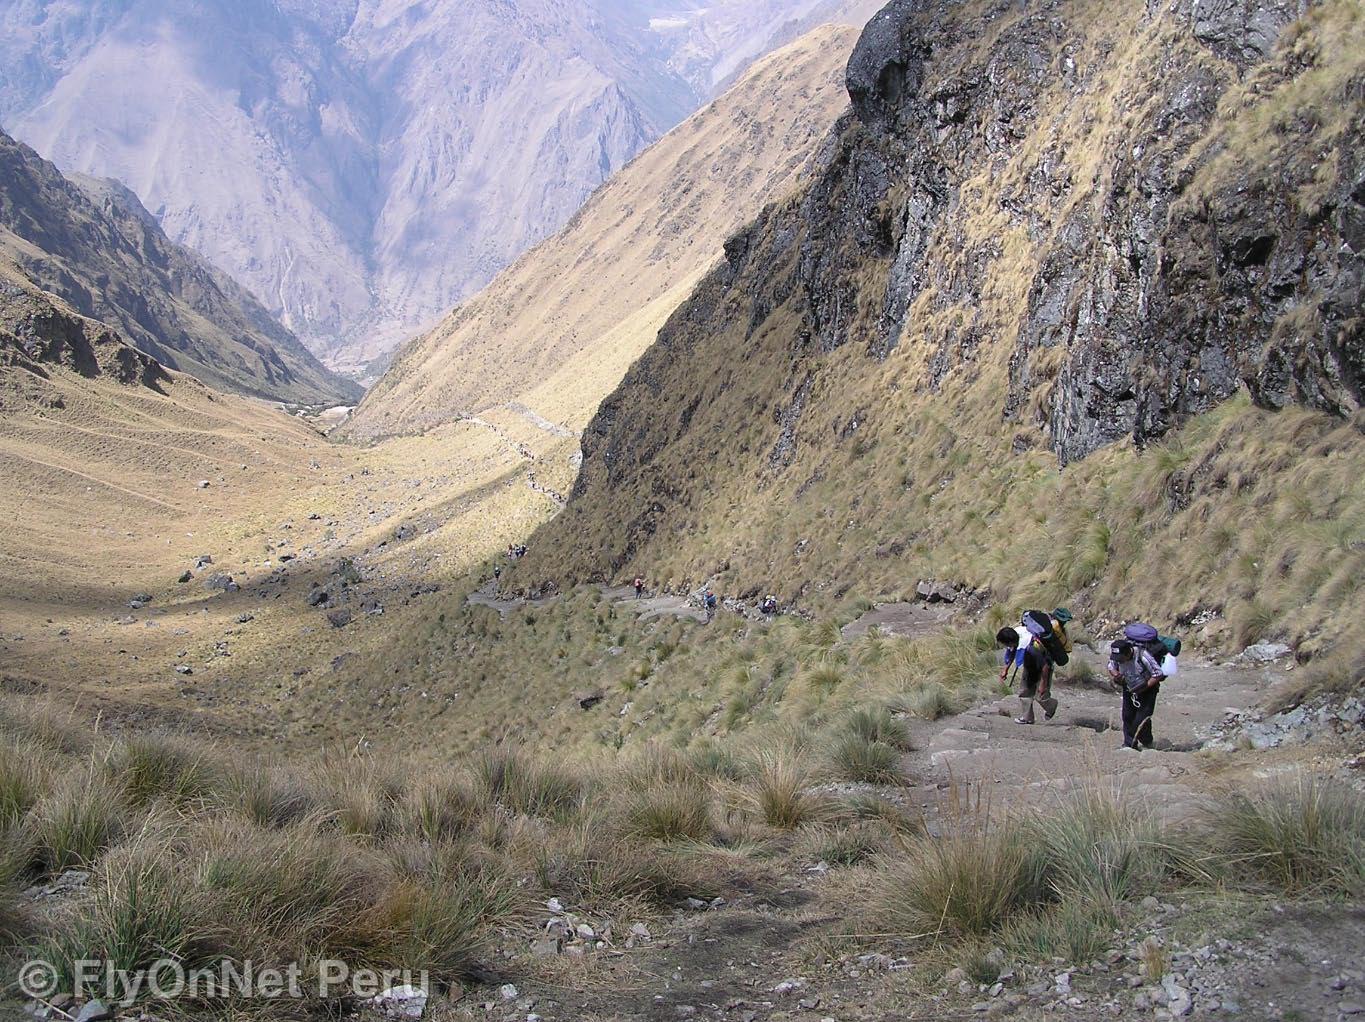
x=361 y=166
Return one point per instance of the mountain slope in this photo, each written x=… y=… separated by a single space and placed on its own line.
x=362 y=166
x=92 y=243
x=1124 y=239
x=558 y=329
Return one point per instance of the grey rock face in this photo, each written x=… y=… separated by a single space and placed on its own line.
x=1167 y=260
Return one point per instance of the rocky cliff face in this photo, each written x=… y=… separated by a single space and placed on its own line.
x=92 y=244
x=362 y=166
x=1045 y=230
x=38 y=331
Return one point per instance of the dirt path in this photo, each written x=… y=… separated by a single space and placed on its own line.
x=753 y=958
x=486 y=596
x=657 y=606
x=524 y=452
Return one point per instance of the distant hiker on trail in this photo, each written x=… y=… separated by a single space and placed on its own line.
x=709 y=601
x=1023 y=649
x=497 y=572
x=639 y=587
x=769 y=606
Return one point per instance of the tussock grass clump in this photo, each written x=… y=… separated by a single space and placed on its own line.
x=855 y=758
x=1099 y=848
x=75 y=823
x=586 y=864
x=141 y=914
x=670 y=812
x=929 y=701
x=520 y=784
x=44 y=725
x=362 y=797
x=445 y=807
x=824 y=679
x=1305 y=835
x=876 y=724
x=23 y=781
x=271 y=797
x=719 y=762
x=866 y=806
x=847 y=845
x=965 y=885
x=1076 y=929
x=778 y=791
x=160 y=767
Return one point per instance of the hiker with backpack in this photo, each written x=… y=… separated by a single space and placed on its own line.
x=709 y=601
x=1022 y=649
x=639 y=586
x=1136 y=667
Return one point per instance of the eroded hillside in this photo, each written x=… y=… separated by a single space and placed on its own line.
x=1070 y=312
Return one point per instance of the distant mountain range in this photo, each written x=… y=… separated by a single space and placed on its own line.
x=556 y=331
x=362 y=165
x=91 y=243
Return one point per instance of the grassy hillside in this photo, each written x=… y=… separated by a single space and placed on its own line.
x=559 y=328
x=1017 y=358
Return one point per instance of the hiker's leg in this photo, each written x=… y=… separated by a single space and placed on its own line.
x=1143 y=735
x=1129 y=716
x=1028 y=691
x=1045 y=697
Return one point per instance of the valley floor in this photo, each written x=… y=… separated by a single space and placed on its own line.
x=207 y=567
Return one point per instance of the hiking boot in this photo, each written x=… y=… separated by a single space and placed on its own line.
x=1049 y=708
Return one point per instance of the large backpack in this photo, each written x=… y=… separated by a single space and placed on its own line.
x=1039 y=625
x=1163 y=648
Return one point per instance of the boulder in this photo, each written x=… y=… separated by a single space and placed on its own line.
x=339 y=618
x=318 y=597
x=587 y=700
x=185 y=577
x=1265 y=652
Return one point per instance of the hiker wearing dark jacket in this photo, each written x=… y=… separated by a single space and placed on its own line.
x=639 y=586
x=1022 y=650
x=1138 y=675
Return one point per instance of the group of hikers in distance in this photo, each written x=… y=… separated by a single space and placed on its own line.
x=1138 y=664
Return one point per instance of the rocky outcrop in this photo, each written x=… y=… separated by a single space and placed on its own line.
x=1053 y=226
x=37 y=331
x=93 y=245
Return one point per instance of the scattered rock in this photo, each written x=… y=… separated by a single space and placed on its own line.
x=243 y=618
x=185 y=577
x=203 y=484
x=94 y=1011
x=547 y=947
x=508 y=992
x=220 y=582
x=183 y=669
x=587 y=700
x=402 y=1002
x=318 y=597
x=339 y=618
